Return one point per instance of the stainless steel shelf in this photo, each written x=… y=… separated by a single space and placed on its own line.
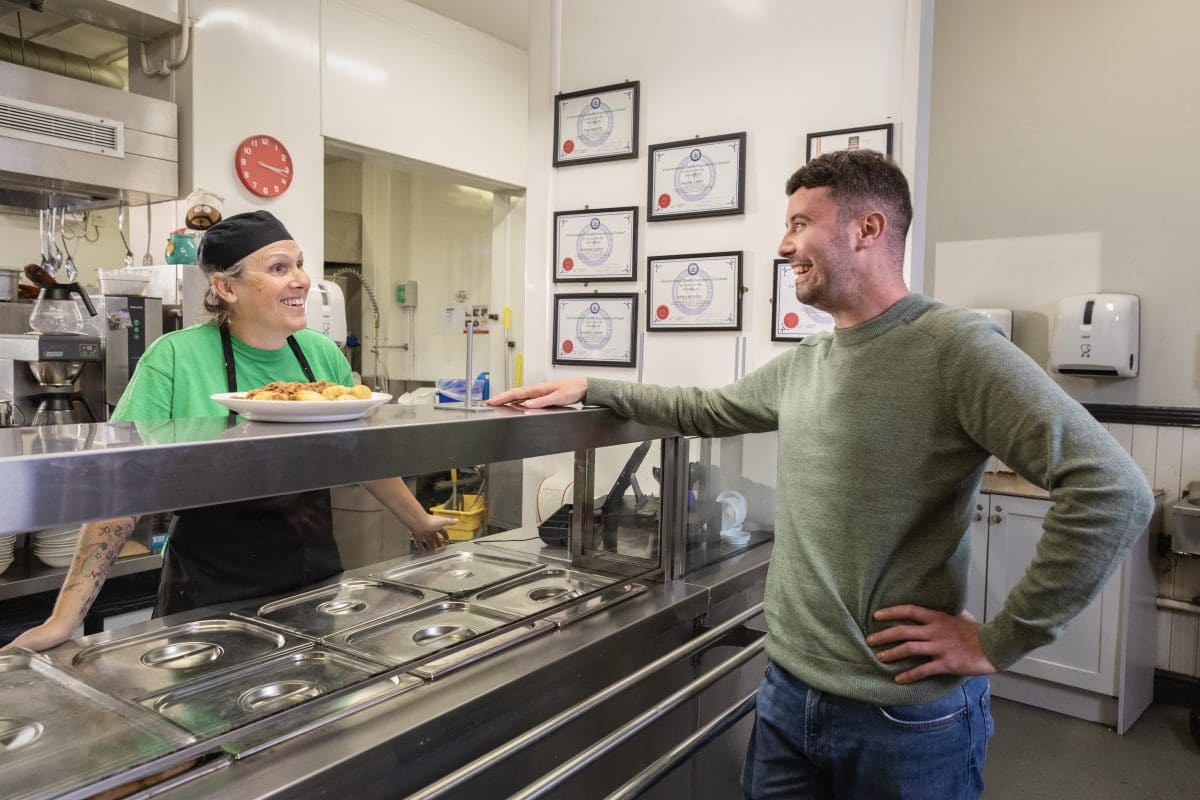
x=19 y=581
x=71 y=473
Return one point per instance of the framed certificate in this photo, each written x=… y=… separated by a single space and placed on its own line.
x=876 y=137
x=697 y=178
x=595 y=245
x=596 y=124
x=792 y=320
x=595 y=329
x=701 y=292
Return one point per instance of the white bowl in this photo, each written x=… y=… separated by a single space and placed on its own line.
x=56 y=561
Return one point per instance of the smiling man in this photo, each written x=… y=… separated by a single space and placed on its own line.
x=875 y=686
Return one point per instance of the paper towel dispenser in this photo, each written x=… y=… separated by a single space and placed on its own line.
x=1096 y=335
x=1003 y=317
x=326 y=310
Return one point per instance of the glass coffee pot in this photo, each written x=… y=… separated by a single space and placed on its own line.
x=57 y=312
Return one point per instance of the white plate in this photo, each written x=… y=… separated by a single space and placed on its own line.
x=299 y=410
x=57 y=561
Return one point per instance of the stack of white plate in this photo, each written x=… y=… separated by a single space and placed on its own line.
x=6 y=551
x=55 y=547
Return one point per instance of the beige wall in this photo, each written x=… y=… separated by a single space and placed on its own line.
x=1061 y=162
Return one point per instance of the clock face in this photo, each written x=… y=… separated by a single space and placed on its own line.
x=264 y=166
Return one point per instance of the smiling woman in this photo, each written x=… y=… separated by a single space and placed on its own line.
x=253 y=548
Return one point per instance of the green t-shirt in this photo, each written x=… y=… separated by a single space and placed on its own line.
x=179 y=372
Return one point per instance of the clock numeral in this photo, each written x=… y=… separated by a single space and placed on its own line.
x=243 y=162
x=247 y=150
x=265 y=141
x=283 y=181
x=284 y=157
x=276 y=190
x=246 y=174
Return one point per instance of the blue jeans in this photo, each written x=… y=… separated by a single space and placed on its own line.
x=810 y=744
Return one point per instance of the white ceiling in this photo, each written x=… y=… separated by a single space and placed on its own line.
x=507 y=20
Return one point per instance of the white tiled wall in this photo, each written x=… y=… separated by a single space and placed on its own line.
x=1170 y=459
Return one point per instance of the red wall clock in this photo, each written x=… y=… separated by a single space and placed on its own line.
x=264 y=166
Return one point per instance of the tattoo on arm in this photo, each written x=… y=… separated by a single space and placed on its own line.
x=99 y=546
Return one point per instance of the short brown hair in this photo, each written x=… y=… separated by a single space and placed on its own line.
x=859 y=178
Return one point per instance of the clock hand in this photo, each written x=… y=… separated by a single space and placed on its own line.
x=281 y=171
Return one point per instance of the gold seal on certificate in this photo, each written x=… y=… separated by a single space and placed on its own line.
x=701 y=292
x=697 y=178
x=596 y=124
x=595 y=329
x=792 y=320
x=595 y=245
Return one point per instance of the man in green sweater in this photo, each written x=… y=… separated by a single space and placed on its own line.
x=874 y=687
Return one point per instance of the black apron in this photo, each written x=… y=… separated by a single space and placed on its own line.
x=252 y=548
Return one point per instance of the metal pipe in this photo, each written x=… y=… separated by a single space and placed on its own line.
x=536 y=734
x=59 y=62
x=662 y=767
x=573 y=766
x=1177 y=605
x=166 y=67
x=471 y=323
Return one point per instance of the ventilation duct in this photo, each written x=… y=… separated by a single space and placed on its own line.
x=59 y=62
x=66 y=143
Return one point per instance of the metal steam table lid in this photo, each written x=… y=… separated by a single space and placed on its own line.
x=57 y=733
x=151 y=662
x=415 y=635
x=460 y=572
x=325 y=611
x=527 y=595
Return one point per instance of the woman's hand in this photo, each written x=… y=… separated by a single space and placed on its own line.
x=50 y=633
x=429 y=532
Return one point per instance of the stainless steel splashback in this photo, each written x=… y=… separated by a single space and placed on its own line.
x=67 y=143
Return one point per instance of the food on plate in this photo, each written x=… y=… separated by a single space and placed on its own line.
x=319 y=390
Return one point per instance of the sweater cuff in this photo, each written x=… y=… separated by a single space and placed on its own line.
x=1004 y=641
x=599 y=392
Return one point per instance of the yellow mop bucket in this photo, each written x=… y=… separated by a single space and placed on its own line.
x=470 y=517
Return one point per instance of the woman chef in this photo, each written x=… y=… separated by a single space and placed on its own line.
x=232 y=551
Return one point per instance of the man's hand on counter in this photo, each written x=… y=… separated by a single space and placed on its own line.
x=950 y=643
x=553 y=393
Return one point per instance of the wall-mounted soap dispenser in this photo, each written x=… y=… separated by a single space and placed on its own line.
x=1003 y=317
x=1096 y=335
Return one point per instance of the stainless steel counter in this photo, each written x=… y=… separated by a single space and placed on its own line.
x=72 y=473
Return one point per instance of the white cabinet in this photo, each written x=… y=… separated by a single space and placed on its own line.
x=1101 y=666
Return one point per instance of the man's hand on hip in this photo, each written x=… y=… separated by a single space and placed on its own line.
x=950 y=643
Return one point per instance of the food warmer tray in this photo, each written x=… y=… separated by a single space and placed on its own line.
x=211 y=707
x=535 y=593
x=57 y=733
x=155 y=661
x=460 y=573
x=415 y=635
x=330 y=609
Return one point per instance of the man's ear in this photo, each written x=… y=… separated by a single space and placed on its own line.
x=224 y=289
x=871 y=230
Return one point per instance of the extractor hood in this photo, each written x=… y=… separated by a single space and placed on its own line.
x=65 y=143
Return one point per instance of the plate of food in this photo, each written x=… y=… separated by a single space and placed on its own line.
x=290 y=401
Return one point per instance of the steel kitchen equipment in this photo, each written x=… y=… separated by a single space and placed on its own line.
x=9 y=279
x=58 y=733
x=38 y=374
x=415 y=635
x=352 y=602
x=459 y=573
x=540 y=591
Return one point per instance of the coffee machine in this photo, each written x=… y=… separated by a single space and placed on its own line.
x=40 y=375
x=131 y=323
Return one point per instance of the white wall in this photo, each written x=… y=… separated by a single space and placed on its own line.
x=19 y=243
x=400 y=79
x=1070 y=121
x=774 y=70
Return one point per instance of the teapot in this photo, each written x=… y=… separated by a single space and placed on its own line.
x=56 y=312
x=181 y=247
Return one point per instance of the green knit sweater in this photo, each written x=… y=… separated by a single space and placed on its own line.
x=884 y=432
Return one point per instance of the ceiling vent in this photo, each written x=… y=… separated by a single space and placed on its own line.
x=33 y=122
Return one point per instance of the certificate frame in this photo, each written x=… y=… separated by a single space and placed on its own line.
x=849 y=139
x=701 y=177
x=595 y=245
x=610 y=343
x=608 y=133
x=694 y=292
x=791 y=320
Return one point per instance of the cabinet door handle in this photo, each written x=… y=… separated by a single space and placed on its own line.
x=996 y=519
x=978 y=517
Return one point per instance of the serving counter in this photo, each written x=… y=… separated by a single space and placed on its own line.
x=511 y=665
